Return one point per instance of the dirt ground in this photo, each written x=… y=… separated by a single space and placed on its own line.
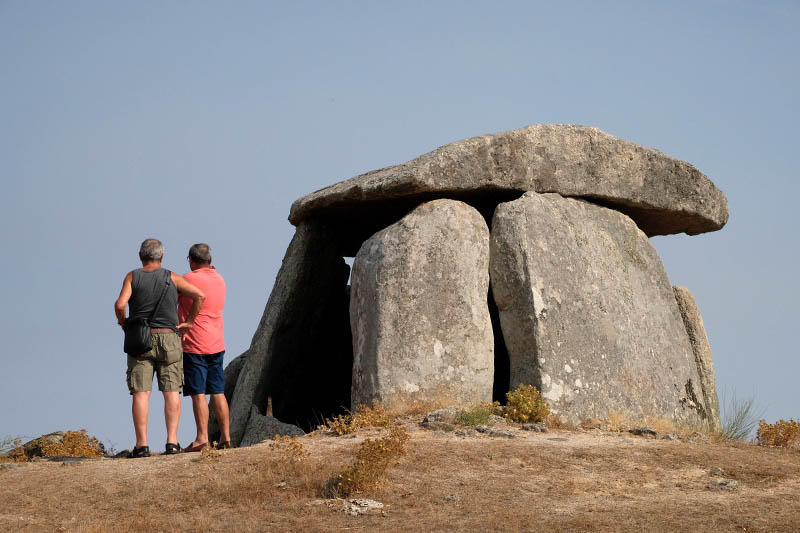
x=556 y=481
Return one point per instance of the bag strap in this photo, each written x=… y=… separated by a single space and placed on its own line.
x=161 y=298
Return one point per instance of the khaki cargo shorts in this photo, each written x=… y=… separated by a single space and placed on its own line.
x=165 y=359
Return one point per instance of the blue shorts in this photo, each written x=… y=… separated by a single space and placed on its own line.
x=202 y=374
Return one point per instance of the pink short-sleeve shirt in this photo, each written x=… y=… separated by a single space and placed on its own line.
x=207 y=335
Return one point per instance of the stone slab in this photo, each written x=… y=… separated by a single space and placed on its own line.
x=420 y=323
x=662 y=194
x=587 y=312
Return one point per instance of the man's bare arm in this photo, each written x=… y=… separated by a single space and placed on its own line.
x=197 y=296
x=122 y=302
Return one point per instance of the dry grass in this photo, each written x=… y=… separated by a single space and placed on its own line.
x=583 y=481
x=364 y=416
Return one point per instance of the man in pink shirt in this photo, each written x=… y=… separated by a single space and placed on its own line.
x=204 y=349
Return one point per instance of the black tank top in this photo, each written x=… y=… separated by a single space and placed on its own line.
x=147 y=286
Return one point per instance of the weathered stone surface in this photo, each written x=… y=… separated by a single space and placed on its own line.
x=662 y=194
x=260 y=428
x=421 y=327
x=587 y=312
x=310 y=268
x=702 y=353
x=232 y=371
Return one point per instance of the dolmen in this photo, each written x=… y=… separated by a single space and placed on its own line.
x=516 y=258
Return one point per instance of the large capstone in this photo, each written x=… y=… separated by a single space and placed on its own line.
x=587 y=312
x=420 y=323
x=702 y=353
x=663 y=195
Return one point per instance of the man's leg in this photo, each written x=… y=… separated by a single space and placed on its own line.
x=170 y=379
x=140 y=409
x=220 y=406
x=200 y=408
x=172 y=414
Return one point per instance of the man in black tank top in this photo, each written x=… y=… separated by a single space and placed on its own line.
x=141 y=292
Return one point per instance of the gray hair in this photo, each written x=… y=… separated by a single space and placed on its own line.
x=200 y=253
x=151 y=250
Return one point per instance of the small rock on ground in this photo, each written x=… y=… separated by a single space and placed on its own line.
x=723 y=484
x=353 y=507
x=436 y=425
x=539 y=428
x=466 y=433
x=644 y=431
x=495 y=432
x=495 y=420
x=446 y=414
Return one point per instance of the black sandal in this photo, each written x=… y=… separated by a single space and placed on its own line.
x=143 y=451
x=172 y=449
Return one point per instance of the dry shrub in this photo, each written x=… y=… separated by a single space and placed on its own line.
x=373 y=460
x=477 y=414
x=782 y=433
x=363 y=417
x=525 y=404
x=289 y=448
x=74 y=444
x=209 y=454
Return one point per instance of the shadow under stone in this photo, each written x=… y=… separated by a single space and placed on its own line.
x=502 y=365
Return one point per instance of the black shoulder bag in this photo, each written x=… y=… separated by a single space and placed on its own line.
x=138 y=337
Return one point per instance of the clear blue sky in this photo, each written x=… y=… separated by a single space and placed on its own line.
x=203 y=121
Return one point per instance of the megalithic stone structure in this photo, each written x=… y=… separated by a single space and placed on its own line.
x=586 y=311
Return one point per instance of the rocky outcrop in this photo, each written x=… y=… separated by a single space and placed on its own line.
x=261 y=427
x=421 y=327
x=661 y=194
x=588 y=313
x=311 y=266
x=702 y=353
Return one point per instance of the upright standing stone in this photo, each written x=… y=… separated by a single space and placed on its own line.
x=421 y=327
x=308 y=268
x=587 y=312
x=702 y=353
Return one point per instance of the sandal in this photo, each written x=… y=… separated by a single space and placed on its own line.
x=226 y=445
x=142 y=451
x=172 y=449
x=195 y=448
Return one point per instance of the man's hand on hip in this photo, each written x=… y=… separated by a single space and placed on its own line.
x=184 y=327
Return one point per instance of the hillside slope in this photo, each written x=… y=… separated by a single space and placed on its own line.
x=559 y=480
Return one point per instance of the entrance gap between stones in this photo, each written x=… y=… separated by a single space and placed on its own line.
x=502 y=364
